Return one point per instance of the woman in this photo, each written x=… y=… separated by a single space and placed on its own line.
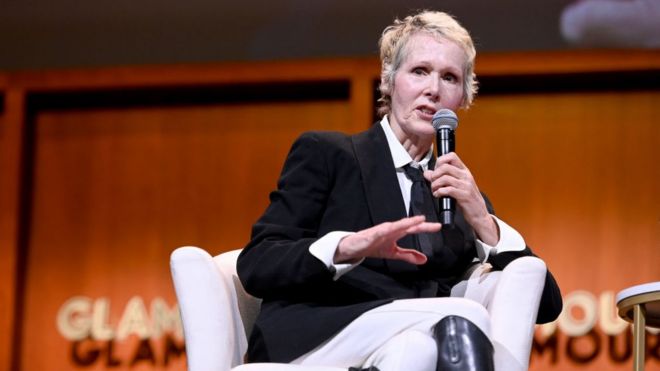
x=338 y=261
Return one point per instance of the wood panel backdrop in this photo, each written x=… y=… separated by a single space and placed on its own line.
x=104 y=172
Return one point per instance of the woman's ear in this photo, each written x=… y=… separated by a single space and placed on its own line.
x=385 y=86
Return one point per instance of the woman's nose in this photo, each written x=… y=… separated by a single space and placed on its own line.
x=433 y=88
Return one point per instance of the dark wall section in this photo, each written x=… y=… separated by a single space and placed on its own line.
x=69 y=33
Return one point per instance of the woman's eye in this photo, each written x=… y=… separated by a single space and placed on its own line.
x=450 y=77
x=419 y=71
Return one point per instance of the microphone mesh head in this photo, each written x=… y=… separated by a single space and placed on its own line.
x=445 y=118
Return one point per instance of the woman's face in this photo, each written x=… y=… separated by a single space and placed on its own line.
x=430 y=78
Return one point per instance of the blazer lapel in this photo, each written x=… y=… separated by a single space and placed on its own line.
x=379 y=180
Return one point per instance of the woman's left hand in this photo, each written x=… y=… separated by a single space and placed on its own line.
x=451 y=178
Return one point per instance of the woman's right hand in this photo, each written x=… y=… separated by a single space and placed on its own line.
x=380 y=240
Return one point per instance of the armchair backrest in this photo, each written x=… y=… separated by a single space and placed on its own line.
x=217 y=313
x=248 y=305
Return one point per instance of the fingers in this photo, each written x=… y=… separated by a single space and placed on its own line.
x=415 y=224
x=399 y=228
x=390 y=231
x=450 y=158
x=453 y=182
x=452 y=187
x=426 y=227
x=449 y=166
x=451 y=178
x=409 y=255
x=446 y=170
x=380 y=241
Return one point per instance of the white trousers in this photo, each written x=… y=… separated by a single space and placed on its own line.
x=398 y=335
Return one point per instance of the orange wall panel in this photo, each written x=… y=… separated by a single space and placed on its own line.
x=115 y=191
x=577 y=174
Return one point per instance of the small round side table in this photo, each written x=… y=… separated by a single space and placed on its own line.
x=640 y=305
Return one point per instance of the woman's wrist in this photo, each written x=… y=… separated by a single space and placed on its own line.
x=487 y=230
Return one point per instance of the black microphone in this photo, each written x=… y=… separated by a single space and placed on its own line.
x=445 y=122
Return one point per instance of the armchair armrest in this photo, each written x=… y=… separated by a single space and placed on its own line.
x=209 y=310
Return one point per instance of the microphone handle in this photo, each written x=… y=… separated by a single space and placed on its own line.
x=446 y=143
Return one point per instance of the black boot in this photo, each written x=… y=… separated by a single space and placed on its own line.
x=462 y=346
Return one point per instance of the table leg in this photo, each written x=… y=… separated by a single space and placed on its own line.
x=639 y=334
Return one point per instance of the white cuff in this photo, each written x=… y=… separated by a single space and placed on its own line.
x=510 y=240
x=324 y=250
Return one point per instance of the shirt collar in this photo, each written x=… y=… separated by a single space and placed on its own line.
x=400 y=156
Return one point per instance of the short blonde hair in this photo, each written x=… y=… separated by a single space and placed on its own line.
x=393 y=51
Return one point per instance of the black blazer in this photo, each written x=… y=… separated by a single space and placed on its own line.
x=335 y=182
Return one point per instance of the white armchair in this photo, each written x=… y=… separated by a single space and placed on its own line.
x=218 y=314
